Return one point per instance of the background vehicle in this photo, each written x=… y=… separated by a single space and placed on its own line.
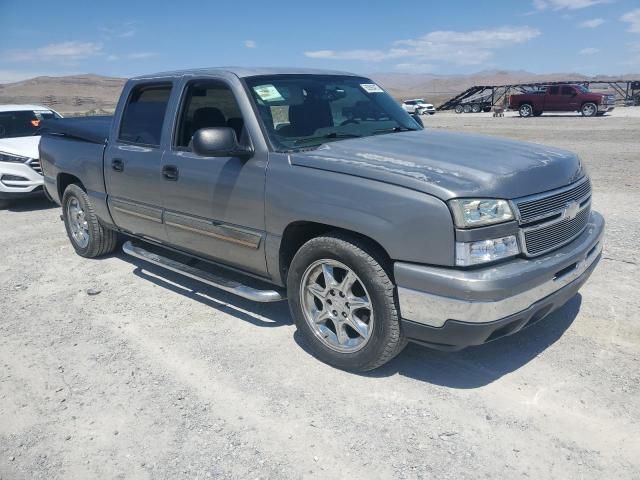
x=317 y=183
x=562 y=98
x=418 y=106
x=20 y=172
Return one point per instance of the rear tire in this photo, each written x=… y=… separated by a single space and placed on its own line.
x=88 y=236
x=466 y=108
x=475 y=108
x=459 y=108
x=325 y=275
x=525 y=110
x=589 y=109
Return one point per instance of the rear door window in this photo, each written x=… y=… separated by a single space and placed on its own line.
x=566 y=90
x=144 y=114
x=554 y=90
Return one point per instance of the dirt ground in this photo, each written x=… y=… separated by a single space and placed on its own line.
x=159 y=377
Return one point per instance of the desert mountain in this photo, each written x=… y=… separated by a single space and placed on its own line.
x=96 y=94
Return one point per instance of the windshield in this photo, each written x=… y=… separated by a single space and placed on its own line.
x=23 y=123
x=582 y=88
x=305 y=111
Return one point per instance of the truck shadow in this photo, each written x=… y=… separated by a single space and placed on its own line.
x=479 y=366
x=259 y=314
x=473 y=367
x=31 y=205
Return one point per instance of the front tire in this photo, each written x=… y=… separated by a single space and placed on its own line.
x=88 y=236
x=343 y=302
x=589 y=109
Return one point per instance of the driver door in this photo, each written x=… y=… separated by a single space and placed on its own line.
x=214 y=206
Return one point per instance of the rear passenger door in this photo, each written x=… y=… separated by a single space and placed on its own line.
x=553 y=100
x=214 y=206
x=132 y=161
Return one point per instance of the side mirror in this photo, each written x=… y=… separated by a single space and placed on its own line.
x=418 y=119
x=219 y=142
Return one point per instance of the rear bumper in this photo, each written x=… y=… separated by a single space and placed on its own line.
x=27 y=180
x=451 y=308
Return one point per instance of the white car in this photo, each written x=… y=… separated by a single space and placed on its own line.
x=419 y=106
x=20 y=172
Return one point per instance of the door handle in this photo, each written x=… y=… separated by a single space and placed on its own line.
x=170 y=172
x=117 y=164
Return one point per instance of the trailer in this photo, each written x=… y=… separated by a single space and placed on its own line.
x=483 y=97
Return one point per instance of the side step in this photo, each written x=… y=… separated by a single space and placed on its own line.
x=226 y=284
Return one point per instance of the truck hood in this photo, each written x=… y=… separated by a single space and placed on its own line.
x=449 y=165
x=22 y=146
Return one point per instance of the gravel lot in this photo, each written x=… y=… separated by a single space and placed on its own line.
x=157 y=376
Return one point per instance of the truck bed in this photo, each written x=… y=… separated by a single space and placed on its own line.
x=93 y=129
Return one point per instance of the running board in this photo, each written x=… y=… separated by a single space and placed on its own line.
x=226 y=284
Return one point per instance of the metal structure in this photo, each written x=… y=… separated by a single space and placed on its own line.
x=483 y=97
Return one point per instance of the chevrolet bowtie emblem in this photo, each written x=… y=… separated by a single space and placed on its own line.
x=571 y=210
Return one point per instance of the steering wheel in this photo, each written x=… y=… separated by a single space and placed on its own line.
x=350 y=121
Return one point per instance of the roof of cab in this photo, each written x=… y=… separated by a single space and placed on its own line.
x=21 y=108
x=243 y=72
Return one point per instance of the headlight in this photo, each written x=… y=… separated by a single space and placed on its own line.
x=10 y=157
x=477 y=212
x=482 y=251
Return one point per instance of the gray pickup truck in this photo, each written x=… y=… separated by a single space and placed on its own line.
x=316 y=186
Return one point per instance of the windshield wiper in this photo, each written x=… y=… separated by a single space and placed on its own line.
x=394 y=129
x=327 y=136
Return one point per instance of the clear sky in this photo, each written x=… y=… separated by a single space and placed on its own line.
x=125 y=38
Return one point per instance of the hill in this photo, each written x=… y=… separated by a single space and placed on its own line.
x=81 y=94
x=71 y=94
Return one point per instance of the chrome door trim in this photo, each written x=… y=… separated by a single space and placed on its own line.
x=226 y=232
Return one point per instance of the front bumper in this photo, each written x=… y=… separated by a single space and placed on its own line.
x=30 y=182
x=605 y=107
x=452 y=308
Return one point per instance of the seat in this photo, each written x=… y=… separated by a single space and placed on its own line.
x=205 y=117
x=309 y=116
x=238 y=126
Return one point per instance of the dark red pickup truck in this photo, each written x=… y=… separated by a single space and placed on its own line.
x=562 y=98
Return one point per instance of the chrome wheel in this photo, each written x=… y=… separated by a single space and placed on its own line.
x=336 y=305
x=526 y=110
x=589 y=110
x=77 y=223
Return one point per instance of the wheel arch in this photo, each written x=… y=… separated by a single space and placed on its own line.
x=297 y=233
x=64 y=180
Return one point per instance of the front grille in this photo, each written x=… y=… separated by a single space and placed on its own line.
x=35 y=164
x=545 y=206
x=554 y=235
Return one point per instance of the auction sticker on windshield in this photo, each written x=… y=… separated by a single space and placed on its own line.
x=268 y=93
x=371 y=88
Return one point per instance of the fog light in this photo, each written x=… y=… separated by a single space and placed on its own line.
x=14 y=178
x=483 y=251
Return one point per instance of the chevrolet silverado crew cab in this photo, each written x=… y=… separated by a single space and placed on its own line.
x=20 y=173
x=318 y=187
x=562 y=98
